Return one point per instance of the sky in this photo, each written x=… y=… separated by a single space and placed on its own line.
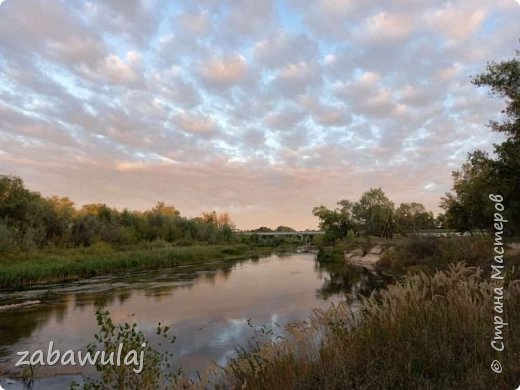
x=262 y=109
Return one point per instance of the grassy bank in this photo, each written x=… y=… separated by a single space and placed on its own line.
x=430 y=254
x=402 y=256
x=37 y=267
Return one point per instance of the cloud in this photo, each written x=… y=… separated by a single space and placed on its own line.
x=197 y=24
x=296 y=78
x=385 y=27
x=284 y=48
x=223 y=72
x=197 y=124
x=448 y=20
x=246 y=106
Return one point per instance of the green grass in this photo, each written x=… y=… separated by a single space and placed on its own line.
x=60 y=265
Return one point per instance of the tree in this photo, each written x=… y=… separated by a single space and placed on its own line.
x=412 y=217
x=262 y=229
x=469 y=208
x=220 y=220
x=374 y=212
x=282 y=228
x=503 y=78
x=25 y=213
x=162 y=208
x=482 y=175
x=336 y=223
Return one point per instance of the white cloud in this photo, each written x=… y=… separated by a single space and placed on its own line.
x=223 y=72
x=246 y=102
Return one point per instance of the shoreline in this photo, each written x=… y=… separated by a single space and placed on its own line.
x=48 y=268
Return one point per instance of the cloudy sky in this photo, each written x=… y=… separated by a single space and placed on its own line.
x=260 y=108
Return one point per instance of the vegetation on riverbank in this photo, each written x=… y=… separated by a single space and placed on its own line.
x=427 y=332
x=50 y=239
x=100 y=259
x=430 y=254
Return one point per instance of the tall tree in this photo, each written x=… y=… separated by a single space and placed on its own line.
x=469 y=207
x=336 y=223
x=374 y=212
x=412 y=217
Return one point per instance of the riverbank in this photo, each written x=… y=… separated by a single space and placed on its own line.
x=426 y=332
x=407 y=255
x=27 y=269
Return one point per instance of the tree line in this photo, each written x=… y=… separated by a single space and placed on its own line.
x=373 y=214
x=31 y=221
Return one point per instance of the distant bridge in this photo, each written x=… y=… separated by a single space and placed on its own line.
x=302 y=235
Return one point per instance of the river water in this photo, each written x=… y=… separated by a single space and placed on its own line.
x=209 y=308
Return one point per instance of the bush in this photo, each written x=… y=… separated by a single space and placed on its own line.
x=430 y=254
x=155 y=371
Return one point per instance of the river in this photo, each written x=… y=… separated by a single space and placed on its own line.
x=208 y=307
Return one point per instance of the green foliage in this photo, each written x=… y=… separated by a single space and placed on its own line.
x=470 y=208
x=156 y=371
x=351 y=236
x=282 y=228
x=336 y=223
x=373 y=211
x=29 y=221
x=413 y=217
x=373 y=214
x=7 y=238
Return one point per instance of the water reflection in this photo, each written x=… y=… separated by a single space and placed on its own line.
x=207 y=306
x=343 y=278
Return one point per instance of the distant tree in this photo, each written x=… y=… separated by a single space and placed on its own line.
x=85 y=230
x=282 y=228
x=412 y=217
x=223 y=219
x=336 y=223
x=262 y=229
x=220 y=220
x=440 y=221
x=91 y=208
x=25 y=214
x=374 y=212
x=162 y=208
x=59 y=219
x=28 y=220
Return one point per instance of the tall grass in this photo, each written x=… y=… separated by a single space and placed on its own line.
x=428 y=332
x=69 y=265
